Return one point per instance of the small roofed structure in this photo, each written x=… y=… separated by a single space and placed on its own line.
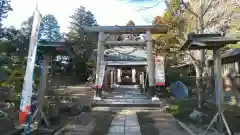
x=207 y=41
x=213 y=42
x=230 y=62
x=229 y=56
x=154 y=29
x=232 y=53
x=59 y=47
x=44 y=45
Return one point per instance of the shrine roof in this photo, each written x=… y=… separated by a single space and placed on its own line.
x=207 y=41
x=123 y=63
x=155 y=29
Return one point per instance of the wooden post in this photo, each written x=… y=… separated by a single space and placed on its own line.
x=143 y=81
x=218 y=86
x=237 y=72
x=111 y=83
x=133 y=75
x=115 y=76
x=43 y=87
x=119 y=75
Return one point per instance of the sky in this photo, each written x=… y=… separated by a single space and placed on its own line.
x=107 y=12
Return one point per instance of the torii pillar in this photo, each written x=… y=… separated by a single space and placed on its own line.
x=150 y=64
x=100 y=57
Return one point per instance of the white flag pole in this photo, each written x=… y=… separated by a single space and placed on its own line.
x=25 y=105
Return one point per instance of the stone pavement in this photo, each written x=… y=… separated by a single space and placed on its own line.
x=125 y=123
x=126 y=120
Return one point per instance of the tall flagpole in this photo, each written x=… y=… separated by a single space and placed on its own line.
x=25 y=106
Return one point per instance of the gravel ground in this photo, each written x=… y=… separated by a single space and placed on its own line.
x=81 y=95
x=92 y=123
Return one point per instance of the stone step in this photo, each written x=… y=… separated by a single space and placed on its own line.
x=123 y=104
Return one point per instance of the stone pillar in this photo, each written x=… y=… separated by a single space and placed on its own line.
x=100 y=57
x=150 y=63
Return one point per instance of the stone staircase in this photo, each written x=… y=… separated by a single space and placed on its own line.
x=126 y=96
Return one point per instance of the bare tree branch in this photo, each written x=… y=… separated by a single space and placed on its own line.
x=216 y=15
x=208 y=6
x=145 y=8
x=185 y=6
x=107 y=37
x=237 y=3
x=192 y=58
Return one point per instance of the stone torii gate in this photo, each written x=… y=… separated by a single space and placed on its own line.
x=148 y=30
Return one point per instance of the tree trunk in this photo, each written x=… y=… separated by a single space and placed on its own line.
x=200 y=65
x=199 y=87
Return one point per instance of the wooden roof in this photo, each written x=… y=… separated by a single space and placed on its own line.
x=155 y=29
x=207 y=41
x=54 y=47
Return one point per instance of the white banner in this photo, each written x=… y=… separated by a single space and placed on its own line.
x=159 y=71
x=25 y=105
x=101 y=74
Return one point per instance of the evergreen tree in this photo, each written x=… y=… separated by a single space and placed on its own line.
x=81 y=18
x=50 y=30
x=26 y=27
x=4 y=9
x=77 y=35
